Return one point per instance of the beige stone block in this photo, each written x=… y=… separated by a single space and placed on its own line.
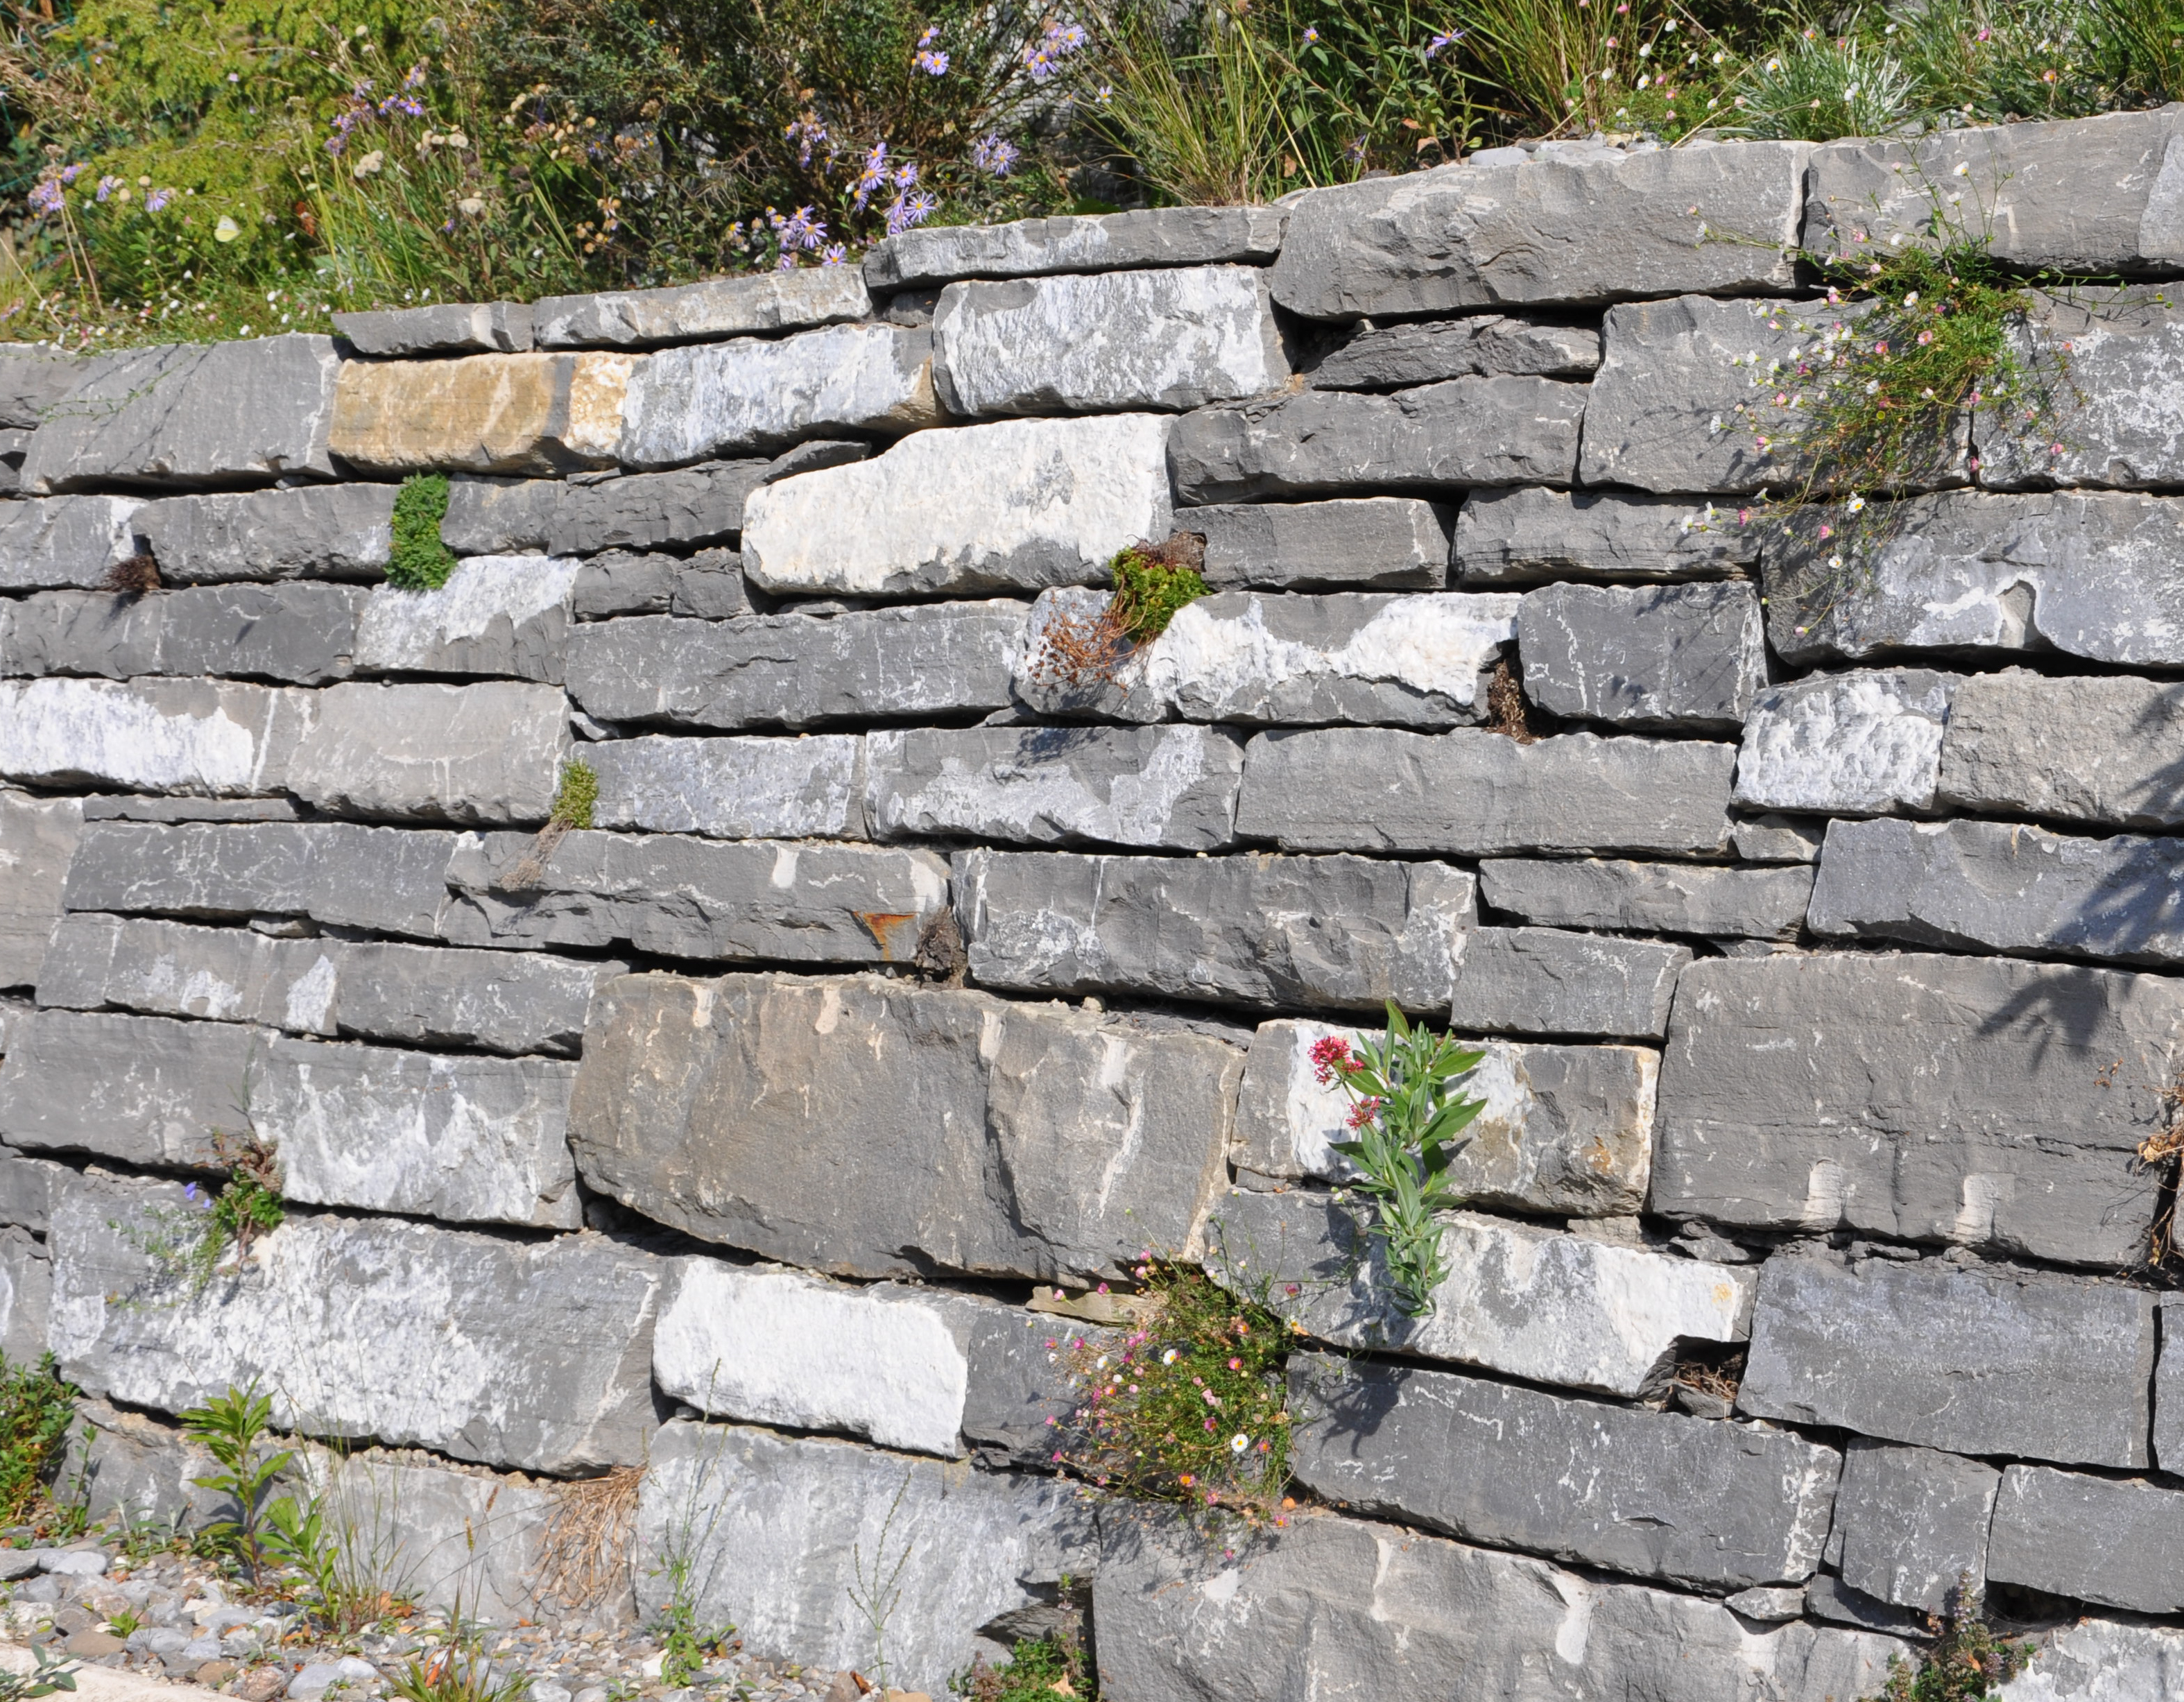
x=598 y=384
x=534 y=413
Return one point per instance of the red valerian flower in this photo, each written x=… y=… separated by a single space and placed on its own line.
x=1330 y=1058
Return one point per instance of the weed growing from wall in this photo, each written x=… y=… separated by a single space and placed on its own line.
x=1152 y=584
x=579 y=796
x=215 y=1227
x=37 y=1409
x=1039 y=1670
x=1968 y=1662
x=233 y=1428
x=420 y=561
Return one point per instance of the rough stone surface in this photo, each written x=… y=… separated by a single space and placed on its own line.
x=1338 y=931
x=2116 y=414
x=1164 y=788
x=1467 y=431
x=1114 y=242
x=1927 y=1097
x=2098 y=1660
x=506 y=615
x=324 y=532
x=695 y=504
x=1525 y=535
x=1970 y=1361
x=1650 y=897
x=1475 y=793
x=1687 y=656
x=708 y=586
x=797 y=670
x=298 y=635
x=2074 y=749
x=37 y=838
x=444 y=328
x=718 y=307
x=1657 y=1494
x=533 y=1355
x=1175 y=338
x=1524 y=1301
x=537 y=413
x=32 y=380
x=1545 y=981
x=1778 y=838
x=227 y=413
x=29 y=1186
x=202 y=736
x=874 y=1129
x=1394 y=357
x=1860 y=744
x=1911 y=1521
x=65 y=541
x=1016 y=504
x=473 y=754
x=1572 y=232
x=734 y=789
x=1566 y=1130
x=26 y=1298
x=697 y=898
x=2091 y=1539
x=1372 y=542
x=686 y=404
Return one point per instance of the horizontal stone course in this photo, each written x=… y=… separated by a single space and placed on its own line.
x=2090 y=1538
x=1524 y=535
x=689 y=505
x=538 y=414
x=732 y=788
x=316 y=532
x=442 y=328
x=474 y=754
x=208 y=737
x=66 y=541
x=1550 y=981
x=1689 y=657
x=1394 y=357
x=1650 y=897
x=1113 y=242
x=718 y=307
x=2076 y=748
x=297 y=634
x=2116 y=421
x=706 y=586
x=506 y=615
x=1370 y=542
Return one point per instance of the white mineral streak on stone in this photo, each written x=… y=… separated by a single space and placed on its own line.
x=1853 y=743
x=401 y=628
x=67 y=540
x=731 y=789
x=1025 y=798
x=196 y=736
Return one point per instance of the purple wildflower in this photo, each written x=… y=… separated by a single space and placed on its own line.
x=1310 y=33
x=835 y=255
x=1447 y=40
x=808 y=133
x=933 y=64
x=70 y=173
x=46 y=196
x=992 y=154
x=873 y=177
x=801 y=230
x=156 y=202
x=913 y=208
x=906 y=175
x=415 y=79
x=107 y=185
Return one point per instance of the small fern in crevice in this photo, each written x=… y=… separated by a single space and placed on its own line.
x=420 y=561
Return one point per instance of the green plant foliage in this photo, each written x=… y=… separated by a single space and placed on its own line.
x=1038 y=1670
x=1967 y=1663
x=685 y=1642
x=37 y=1409
x=579 y=795
x=460 y=1672
x=48 y=1672
x=189 y=1242
x=233 y=1427
x=419 y=561
x=1407 y=1112
x=1148 y=592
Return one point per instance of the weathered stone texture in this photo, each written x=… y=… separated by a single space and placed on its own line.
x=2090 y=1538
x=1911 y=1523
x=32 y=380
x=2111 y=365
x=707 y=586
x=2095 y=1660
x=2076 y=749
x=718 y=307
x=1114 y=242
x=1337 y=931
x=1650 y=897
x=1927 y=1097
x=506 y=615
x=734 y=789
x=444 y=328
x=874 y=1129
x=696 y=505
x=1545 y=981
x=30 y=1186
x=322 y=532
x=200 y=736
x=66 y=541
x=474 y=754
x=1523 y=536
x=299 y=635
x=1687 y=656
x=1778 y=838
x=37 y=838
x=1372 y=542
x=540 y=414
x=1394 y=357
x=26 y=1298
x=1856 y=743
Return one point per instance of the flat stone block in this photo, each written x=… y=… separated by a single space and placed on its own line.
x=300 y=634
x=1687 y=656
x=1544 y=981
x=536 y=414
x=1347 y=932
x=29 y=1186
x=1476 y=793
x=1655 y=1494
x=689 y=505
x=846 y=1124
x=2089 y=1538
x=26 y=1298
x=1861 y=744
x=206 y=736
x=1651 y=897
x=505 y=614
x=474 y=754
x=1930 y=1098
x=317 y=532
x=1566 y=1130
x=1570 y=232
x=429 y=996
x=1778 y=838
x=733 y=788
x=66 y=541
x=33 y=380
x=708 y=586
x=1013 y=505
x=1394 y=357
x=2097 y=1659
x=1467 y=431
x=37 y=839
x=1113 y=242
x=718 y=307
x=1371 y=543
x=1167 y=788
x=145 y=1090
x=1912 y=1522
x=1526 y=535
x=2076 y=749
x=1971 y=1361
x=444 y=328
x=2116 y=414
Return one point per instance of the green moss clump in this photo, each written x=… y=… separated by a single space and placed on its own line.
x=1148 y=592
x=579 y=795
x=420 y=561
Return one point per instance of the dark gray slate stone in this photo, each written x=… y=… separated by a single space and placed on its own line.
x=732 y=788
x=707 y=586
x=66 y=541
x=1688 y=656
x=302 y=634
x=444 y=328
x=1999 y=886
x=26 y=1298
x=1114 y=242
x=2074 y=749
x=701 y=312
x=1856 y=743
x=1380 y=543
x=37 y=841
x=14 y=448
x=1650 y=897
x=1583 y=231
x=797 y=670
x=1827 y=1597
x=1543 y=981
x=32 y=380
x=1482 y=794
x=697 y=898
x=427 y=995
x=1656 y=1494
x=1778 y=838
x=127 y=807
x=2120 y=1544
x=2169 y=1392
x=325 y=532
x=847 y=1125
x=1342 y=931
x=1165 y=788
x=1467 y=431
x=1394 y=357
x=2106 y=364
x=1523 y=536
x=1018 y=1382
x=1930 y=1098
x=389 y=879
x=30 y=1186
x=690 y=505
x=1967 y=1360
x=1910 y=1522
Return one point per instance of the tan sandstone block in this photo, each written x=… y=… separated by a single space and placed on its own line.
x=534 y=413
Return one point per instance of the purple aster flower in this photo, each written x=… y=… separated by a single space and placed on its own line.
x=990 y=153
x=801 y=230
x=873 y=177
x=46 y=196
x=156 y=202
x=70 y=173
x=835 y=255
x=1450 y=39
x=107 y=185
x=1310 y=32
x=415 y=79
x=932 y=63
x=906 y=175
x=913 y=208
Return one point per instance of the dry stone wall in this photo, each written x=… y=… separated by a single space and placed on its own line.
x=1825 y=967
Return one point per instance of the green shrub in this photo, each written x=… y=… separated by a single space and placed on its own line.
x=37 y=1409
x=419 y=561
x=1148 y=591
x=579 y=796
x=1039 y=1670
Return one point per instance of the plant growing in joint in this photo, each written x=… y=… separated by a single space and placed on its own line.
x=579 y=796
x=1968 y=1662
x=233 y=1427
x=1039 y=1670
x=214 y=1225
x=1151 y=582
x=1407 y=1109
x=419 y=561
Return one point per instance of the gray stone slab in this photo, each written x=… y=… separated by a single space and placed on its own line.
x=1342 y=931
x=689 y=505
x=732 y=788
x=2169 y=1392
x=1378 y=542
x=1912 y=1522
x=1161 y=788
x=1655 y=1494
x=797 y=670
x=318 y=532
x=66 y=541
x=14 y=448
x=1778 y=838
x=1018 y=1379
x=479 y=755
x=1113 y=242
x=1394 y=357
x=1526 y=535
x=1545 y=981
x=211 y=737
x=707 y=586
x=29 y=1186
x=1465 y=432
x=697 y=898
x=126 y=807
x=26 y=1298
x=1994 y=1361
x=1687 y=656
x=848 y=1124
x=718 y=307
x=2104 y=359
x=1570 y=232
x=503 y=615
x=2096 y=1658
x=2090 y=1538
x=1827 y=1597
x=1566 y=1130
x=1175 y=338
x=2074 y=749
x=444 y=328
x=391 y=880
x=37 y=839
x=223 y=413
x=1859 y=744
x=1483 y=794
x=32 y=380
x=299 y=635
x=428 y=995
x=1930 y=1098
x=145 y=1090
x=1650 y=897
x=529 y=1354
